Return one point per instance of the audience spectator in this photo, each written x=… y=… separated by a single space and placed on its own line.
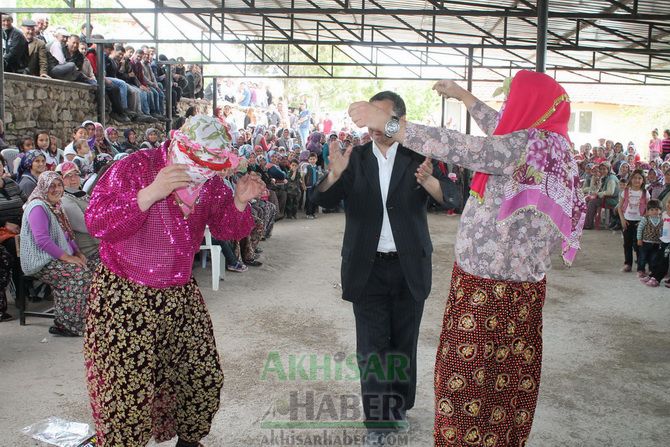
x=41 y=26
x=50 y=254
x=74 y=202
x=303 y=124
x=632 y=206
x=655 y=149
x=37 y=52
x=33 y=164
x=130 y=145
x=649 y=242
x=11 y=212
x=14 y=45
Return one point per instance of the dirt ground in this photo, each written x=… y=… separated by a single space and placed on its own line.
x=605 y=374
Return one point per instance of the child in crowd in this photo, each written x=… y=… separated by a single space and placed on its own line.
x=42 y=143
x=69 y=153
x=24 y=145
x=311 y=179
x=82 y=160
x=649 y=242
x=294 y=189
x=631 y=207
x=661 y=265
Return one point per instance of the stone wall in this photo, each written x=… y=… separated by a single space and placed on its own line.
x=33 y=104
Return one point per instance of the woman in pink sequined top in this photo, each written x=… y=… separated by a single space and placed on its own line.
x=152 y=364
x=527 y=204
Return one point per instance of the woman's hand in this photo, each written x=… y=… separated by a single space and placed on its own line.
x=624 y=224
x=364 y=114
x=13 y=227
x=424 y=171
x=249 y=187
x=168 y=179
x=449 y=89
x=73 y=260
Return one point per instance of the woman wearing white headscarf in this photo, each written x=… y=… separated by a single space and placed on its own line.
x=153 y=368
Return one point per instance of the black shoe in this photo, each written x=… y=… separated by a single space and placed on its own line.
x=158 y=116
x=144 y=119
x=4 y=316
x=259 y=250
x=62 y=332
x=34 y=299
x=253 y=263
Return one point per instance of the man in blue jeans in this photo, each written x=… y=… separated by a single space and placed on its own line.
x=303 y=124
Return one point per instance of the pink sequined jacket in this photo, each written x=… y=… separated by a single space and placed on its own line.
x=156 y=247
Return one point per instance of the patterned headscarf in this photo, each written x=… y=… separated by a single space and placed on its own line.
x=41 y=192
x=27 y=162
x=203 y=144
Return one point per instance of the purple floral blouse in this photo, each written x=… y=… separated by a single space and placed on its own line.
x=516 y=248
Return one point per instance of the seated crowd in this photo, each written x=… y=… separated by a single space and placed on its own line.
x=46 y=186
x=135 y=79
x=638 y=194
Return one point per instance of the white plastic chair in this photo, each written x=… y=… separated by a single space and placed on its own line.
x=215 y=251
x=10 y=155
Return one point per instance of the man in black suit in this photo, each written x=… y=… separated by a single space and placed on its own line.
x=386 y=262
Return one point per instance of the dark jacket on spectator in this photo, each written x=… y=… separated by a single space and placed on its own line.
x=15 y=47
x=126 y=73
x=75 y=57
x=138 y=69
x=111 y=67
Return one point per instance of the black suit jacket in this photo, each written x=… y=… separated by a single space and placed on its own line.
x=406 y=205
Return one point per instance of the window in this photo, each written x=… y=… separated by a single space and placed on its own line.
x=571 y=123
x=585 y=119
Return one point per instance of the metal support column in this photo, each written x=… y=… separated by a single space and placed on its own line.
x=468 y=118
x=2 y=79
x=444 y=106
x=168 y=97
x=215 y=96
x=100 y=77
x=542 y=26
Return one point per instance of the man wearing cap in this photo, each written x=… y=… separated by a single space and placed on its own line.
x=14 y=45
x=152 y=364
x=37 y=52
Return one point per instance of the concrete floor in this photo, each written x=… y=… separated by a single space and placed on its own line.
x=606 y=355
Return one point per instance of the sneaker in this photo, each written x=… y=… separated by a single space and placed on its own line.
x=238 y=267
x=4 y=316
x=644 y=279
x=253 y=263
x=641 y=274
x=651 y=283
x=61 y=331
x=626 y=268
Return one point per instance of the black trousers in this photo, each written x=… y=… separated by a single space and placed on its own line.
x=630 y=242
x=387 y=331
x=310 y=207
x=660 y=267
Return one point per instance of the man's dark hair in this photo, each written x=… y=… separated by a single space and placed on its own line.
x=398 y=104
x=295 y=160
x=108 y=46
x=119 y=48
x=313 y=154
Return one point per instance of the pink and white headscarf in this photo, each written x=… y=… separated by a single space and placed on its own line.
x=203 y=144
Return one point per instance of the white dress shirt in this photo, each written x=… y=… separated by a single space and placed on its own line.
x=386 y=241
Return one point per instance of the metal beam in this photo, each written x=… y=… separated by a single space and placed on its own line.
x=542 y=26
x=351 y=11
x=2 y=79
x=100 y=79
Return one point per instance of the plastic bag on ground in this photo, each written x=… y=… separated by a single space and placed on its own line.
x=61 y=433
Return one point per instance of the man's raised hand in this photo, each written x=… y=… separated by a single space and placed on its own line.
x=338 y=161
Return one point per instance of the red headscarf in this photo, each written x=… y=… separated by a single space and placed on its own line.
x=535 y=101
